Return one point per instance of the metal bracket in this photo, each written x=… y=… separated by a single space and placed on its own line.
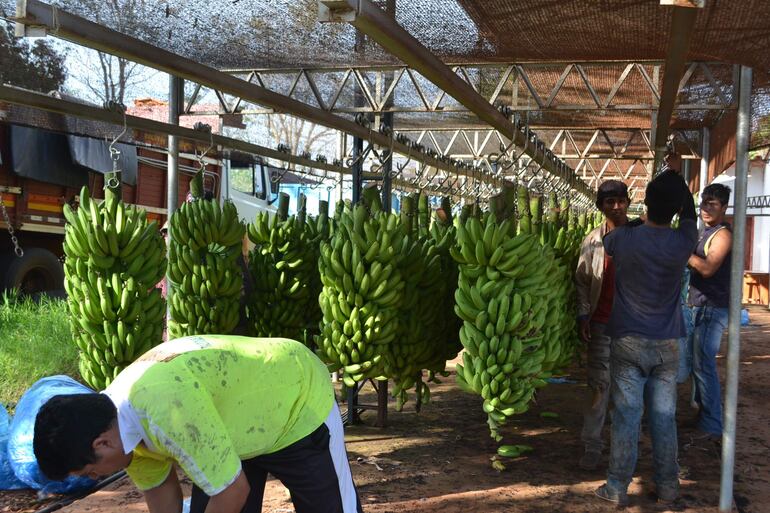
x=24 y=29
x=336 y=11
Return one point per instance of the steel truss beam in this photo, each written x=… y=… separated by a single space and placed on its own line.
x=371 y=20
x=680 y=35
x=511 y=84
x=84 y=32
x=603 y=149
x=18 y=96
x=758 y=202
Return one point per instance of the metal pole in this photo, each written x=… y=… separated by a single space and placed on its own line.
x=704 y=166
x=736 y=290
x=175 y=102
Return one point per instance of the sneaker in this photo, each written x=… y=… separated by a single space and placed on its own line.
x=666 y=496
x=606 y=494
x=590 y=460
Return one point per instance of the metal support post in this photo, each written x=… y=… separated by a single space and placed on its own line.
x=704 y=165
x=387 y=168
x=357 y=168
x=175 y=104
x=742 y=136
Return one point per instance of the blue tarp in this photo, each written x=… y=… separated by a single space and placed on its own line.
x=20 y=452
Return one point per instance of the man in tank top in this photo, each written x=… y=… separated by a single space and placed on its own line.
x=709 y=297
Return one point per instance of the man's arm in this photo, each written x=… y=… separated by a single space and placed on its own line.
x=232 y=498
x=720 y=246
x=166 y=498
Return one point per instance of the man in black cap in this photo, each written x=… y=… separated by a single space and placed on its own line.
x=595 y=279
x=645 y=325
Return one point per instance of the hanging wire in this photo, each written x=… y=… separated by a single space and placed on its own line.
x=113 y=182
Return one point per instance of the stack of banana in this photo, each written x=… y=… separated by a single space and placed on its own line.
x=204 y=271
x=114 y=258
x=362 y=294
x=447 y=344
x=283 y=266
x=503 y=297
x=420 y=319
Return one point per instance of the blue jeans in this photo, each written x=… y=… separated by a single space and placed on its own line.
x=636 y=364
x=709 y=325
x=685 y=346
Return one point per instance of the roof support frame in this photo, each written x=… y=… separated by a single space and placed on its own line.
x=371 y=20
x=675 y=75
x=84 y=32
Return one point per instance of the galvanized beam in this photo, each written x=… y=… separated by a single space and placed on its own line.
x=18 y=96
x=742 y=139
x=508 y=75
x=371 y=20
x=680 y=35
x=87 y=33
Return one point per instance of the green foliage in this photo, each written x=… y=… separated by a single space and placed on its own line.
x=35 y=342
x=34 y=66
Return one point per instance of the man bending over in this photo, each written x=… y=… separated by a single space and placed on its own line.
x=227 y=410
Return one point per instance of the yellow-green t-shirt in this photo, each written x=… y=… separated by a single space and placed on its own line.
x=208 y=402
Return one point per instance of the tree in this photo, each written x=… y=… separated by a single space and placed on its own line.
x=104 y=76
x=300 y=135
x=36 y=66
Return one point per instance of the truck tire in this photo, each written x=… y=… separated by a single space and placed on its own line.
x=37 y=271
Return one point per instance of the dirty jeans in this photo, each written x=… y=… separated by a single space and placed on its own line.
x=637 y=363
x=709 y=325
x=599 y=385
x=685 y=346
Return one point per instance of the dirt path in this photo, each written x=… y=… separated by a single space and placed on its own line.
x=438 y=460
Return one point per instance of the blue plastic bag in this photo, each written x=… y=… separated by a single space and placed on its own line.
x=8 y=480
x=22 y=431
x=744 y=317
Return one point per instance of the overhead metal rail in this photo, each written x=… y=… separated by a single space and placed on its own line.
x=680 y=35
x=40 y=15
x=18 y=96
x=374 y=22
x=513 y=84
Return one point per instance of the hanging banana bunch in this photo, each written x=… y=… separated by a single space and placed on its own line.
x=114 y=258
x=206 y=277
x=283 y=266
x=417 y=333
x=447 y=344
x=362 y=293
x=502 y=297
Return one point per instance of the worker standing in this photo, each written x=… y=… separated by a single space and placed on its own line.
x=645 y=325
x=227 y=410
x=595 y=288
x=710 y=297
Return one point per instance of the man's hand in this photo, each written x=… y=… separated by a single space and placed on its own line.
x=584 y=327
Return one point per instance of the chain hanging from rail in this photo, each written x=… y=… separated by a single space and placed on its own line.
x=16 y=246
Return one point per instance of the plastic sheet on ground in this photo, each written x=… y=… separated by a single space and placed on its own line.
x=21 y=434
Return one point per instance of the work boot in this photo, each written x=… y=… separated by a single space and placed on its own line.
x=605 y=493
x=590 y=460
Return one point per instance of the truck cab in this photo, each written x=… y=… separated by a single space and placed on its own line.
x=250 y=184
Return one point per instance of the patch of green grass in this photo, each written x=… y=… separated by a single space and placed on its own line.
x=35 y=342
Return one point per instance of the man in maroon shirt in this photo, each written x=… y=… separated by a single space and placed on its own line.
x=595 y=285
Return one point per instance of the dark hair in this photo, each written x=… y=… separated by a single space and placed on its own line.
x=65 y=429
x=611 y=189
x=664 y=197
x=716 y=191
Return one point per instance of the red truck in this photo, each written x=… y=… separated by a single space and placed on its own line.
x=41 y=169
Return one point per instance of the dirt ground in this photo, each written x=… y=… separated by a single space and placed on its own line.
x=439 y=460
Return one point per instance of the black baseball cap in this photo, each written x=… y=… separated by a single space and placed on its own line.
x=611 y=189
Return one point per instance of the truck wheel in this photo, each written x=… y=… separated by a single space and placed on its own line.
x=37 y=271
